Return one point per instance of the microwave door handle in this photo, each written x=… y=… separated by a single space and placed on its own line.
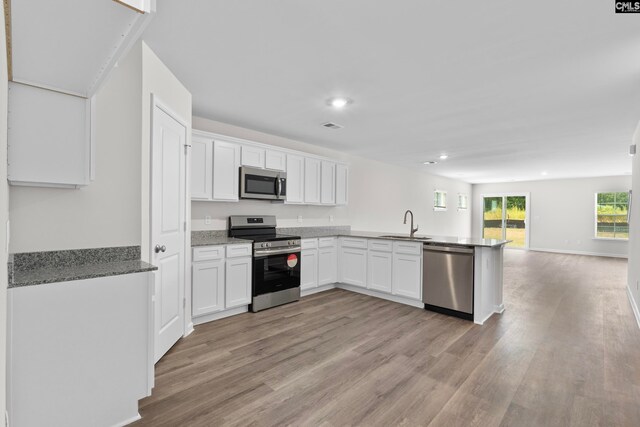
x=278 y=186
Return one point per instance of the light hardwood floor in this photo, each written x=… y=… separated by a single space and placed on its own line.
x=566 y=352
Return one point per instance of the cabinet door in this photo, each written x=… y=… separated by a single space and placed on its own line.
x=407 y=276
x=342 y=184
x=226 y=161
x=328 y=184
x=353 y=266
x=208 y=287
x=309 y=269
x=379 y=271
x=238 y=282
x=295 y=179
x=327 y=265
x=201 y=169
x=253 y=156
x=312 y=181
x=276 y=160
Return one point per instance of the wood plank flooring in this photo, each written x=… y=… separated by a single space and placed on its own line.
x=566 y=352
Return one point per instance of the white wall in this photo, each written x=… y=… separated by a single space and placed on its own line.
x=158 y=80
x=107 y=212
x=379 y=194
x=4 y=215
x=634 y=234
x=562 y=213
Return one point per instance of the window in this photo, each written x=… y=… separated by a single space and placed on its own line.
x=440 y=200
x=612 y=210
x=462 y=202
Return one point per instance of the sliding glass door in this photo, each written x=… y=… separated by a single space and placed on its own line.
x=505 y=217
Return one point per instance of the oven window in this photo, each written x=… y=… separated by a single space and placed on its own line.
x=275 y=273
x=256 y=184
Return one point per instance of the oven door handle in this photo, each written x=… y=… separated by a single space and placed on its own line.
x=266 y=252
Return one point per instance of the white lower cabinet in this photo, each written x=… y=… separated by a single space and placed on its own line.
x=219 y=284
x=309 y=269
x=353 y=266
x=407 y=275
x=327 y=265
x=238 y=283
x=379 y=268
x=208 y=287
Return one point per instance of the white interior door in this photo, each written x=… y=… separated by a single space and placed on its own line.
x=167 y=227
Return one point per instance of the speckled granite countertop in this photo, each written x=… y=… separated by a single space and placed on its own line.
x=214 y=238
x=36 y=268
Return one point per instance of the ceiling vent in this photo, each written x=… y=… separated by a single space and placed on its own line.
x=330 y=125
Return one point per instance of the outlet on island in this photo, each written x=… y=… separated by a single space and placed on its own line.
x=207 y=220
x=300 y=218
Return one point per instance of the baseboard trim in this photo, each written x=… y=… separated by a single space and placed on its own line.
x=189 y=330
x=388 y=297
x=323 y=288
x=220 y=315
x=128 y=421
x=481 y=322
x=499 y=309
x=634 y=306
x=566 y=252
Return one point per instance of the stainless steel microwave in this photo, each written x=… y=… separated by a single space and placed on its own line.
x=262 y=184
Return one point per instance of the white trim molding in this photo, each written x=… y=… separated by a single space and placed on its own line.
x=634 y=306
x=586 y=253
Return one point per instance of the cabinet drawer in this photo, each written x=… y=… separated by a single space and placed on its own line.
x=309 y=244
x=234 y=251
x=207 y=253
x=381 y=245
x=327 y=242
x=407 y=248
x=349 y=242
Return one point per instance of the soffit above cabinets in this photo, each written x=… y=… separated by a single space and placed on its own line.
x=70 y=45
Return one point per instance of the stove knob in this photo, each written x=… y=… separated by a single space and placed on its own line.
x=264 y=245
x=268 y=245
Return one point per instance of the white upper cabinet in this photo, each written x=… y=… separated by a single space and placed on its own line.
x=311 y=180
x=328 y=184
x=276 y=160
x=295 y=179
x=49 y=138
x=226 y=161
x=253 y=156
x=342 y=184
x=201 y=168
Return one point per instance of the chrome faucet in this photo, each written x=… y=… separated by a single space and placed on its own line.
x=413 y=230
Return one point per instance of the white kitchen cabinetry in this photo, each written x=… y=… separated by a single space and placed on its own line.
x=238 y=283
x=312 y=171
x=201 y=168
x=379 y=265
x=295 y=179
x=407 y=269
x=309 y=269
x=328 y=184
x=276 y=160
x=226 y=161
x=342 y=184
x=353 y=262
x=253 y=156
x=208 y=287
x=327 y=260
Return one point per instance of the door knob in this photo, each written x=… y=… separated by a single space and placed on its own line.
x=160 y=248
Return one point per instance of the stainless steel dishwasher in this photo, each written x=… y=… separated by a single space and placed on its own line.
x=447 y=280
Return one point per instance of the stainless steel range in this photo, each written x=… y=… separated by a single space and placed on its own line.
x=276 y=260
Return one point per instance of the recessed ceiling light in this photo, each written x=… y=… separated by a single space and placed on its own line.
x=544 y=173
x=339 y=102
x=444 y=156
x=430 y=162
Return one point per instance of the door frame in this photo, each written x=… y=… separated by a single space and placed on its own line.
x=157 y=102
x=527 y=217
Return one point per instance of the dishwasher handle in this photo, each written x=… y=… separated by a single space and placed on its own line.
x=450 y=249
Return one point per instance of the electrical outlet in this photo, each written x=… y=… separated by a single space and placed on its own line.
x=331 y=218
x=637 y=285
x=207 y=220
x=300 y=218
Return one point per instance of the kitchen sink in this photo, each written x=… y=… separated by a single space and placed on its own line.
x=408 y=238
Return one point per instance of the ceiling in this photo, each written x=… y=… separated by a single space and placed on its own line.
x=507 y=89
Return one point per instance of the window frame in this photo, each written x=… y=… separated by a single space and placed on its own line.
x=595 y=219
x=435 y=198
x=466 y=201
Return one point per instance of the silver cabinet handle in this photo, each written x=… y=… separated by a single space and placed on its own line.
x=278 y=186
x=159 y=248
